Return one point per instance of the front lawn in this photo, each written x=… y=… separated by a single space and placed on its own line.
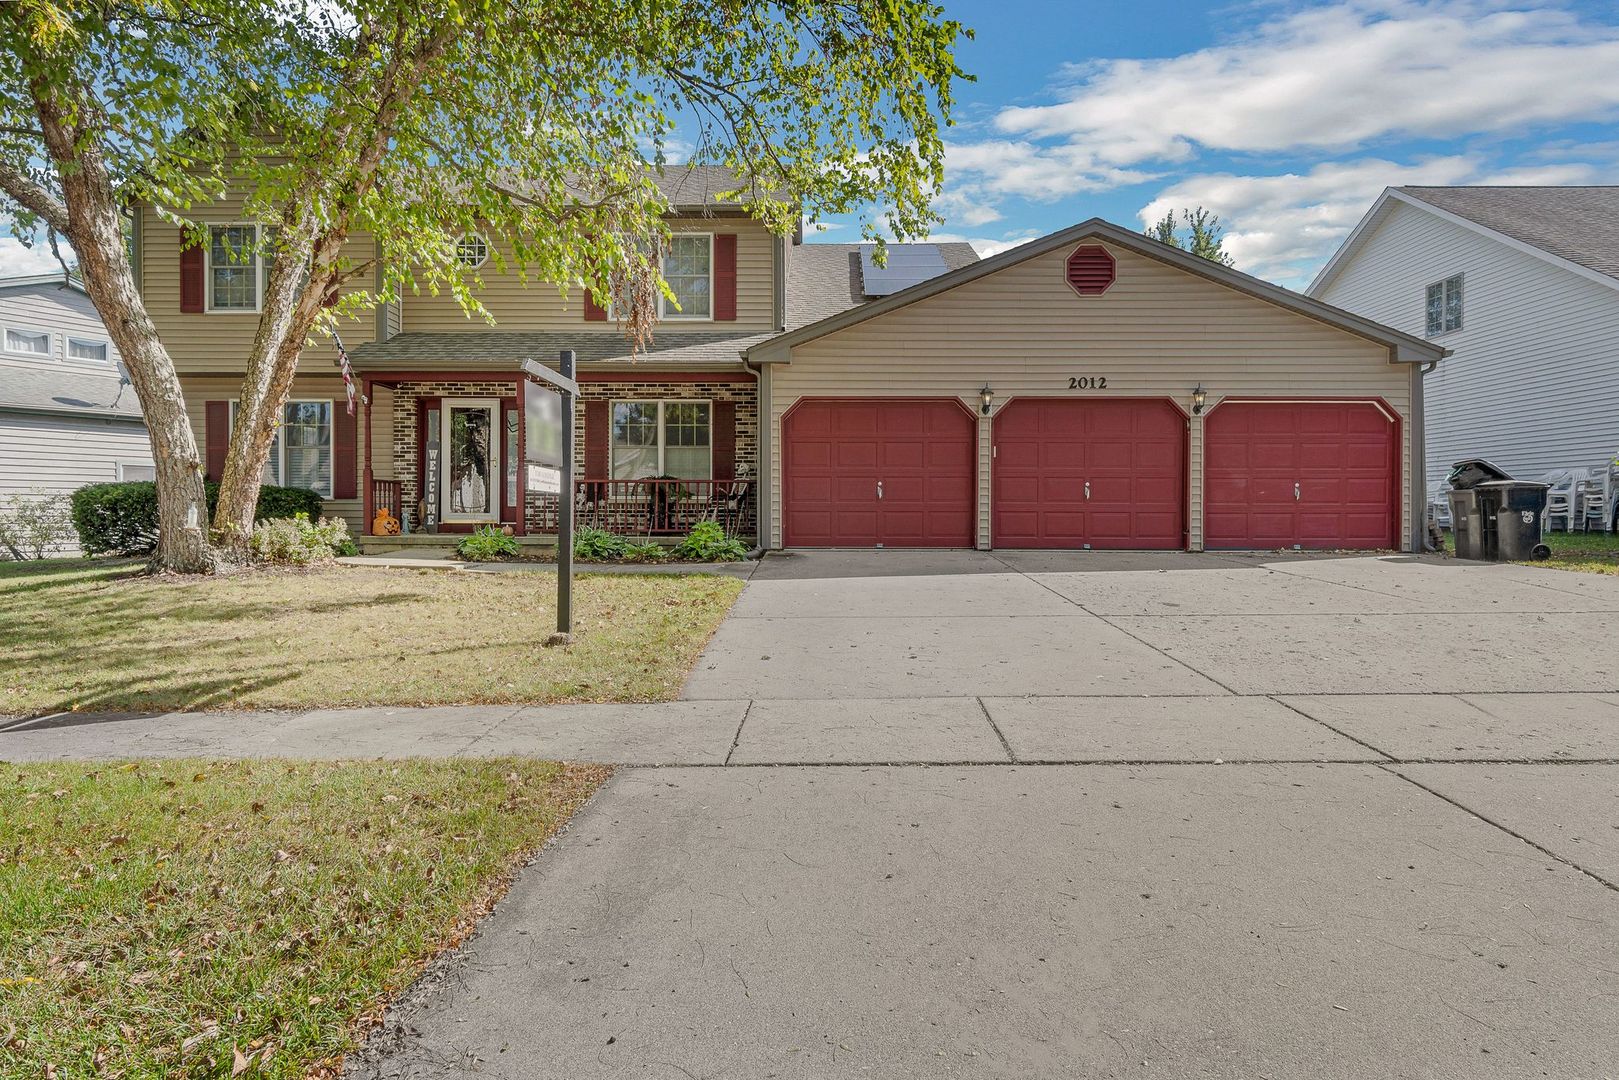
x=162 y=919
x=1588 y=552
x=91 y=635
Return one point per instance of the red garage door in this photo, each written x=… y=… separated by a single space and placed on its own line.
x=858 y=472
x=1098 y=474
x=1285 y=474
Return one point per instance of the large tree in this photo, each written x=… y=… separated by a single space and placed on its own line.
x=366 y=135
x=1199 y=232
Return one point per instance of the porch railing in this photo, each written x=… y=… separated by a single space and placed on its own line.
x=385 y=495
x=653 y=507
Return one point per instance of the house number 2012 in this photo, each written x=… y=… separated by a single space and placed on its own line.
x=1088 y=382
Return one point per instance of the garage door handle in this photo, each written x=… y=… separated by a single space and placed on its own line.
x=1087 y=489
x=879 y=489
x=1295 y=493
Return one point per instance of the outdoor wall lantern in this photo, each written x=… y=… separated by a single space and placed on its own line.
x=986 y=399
x=1198 y=397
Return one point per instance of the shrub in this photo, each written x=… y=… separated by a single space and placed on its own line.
x=707 y=542
x=598 y=545
x=649 y=552
x=34 y=525
x=297 y=541
x=122 y=518
x=487 y=543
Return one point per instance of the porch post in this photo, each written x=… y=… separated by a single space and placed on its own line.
x=366 y=497
x=522 y=462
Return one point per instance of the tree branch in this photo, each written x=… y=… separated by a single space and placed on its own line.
x=33 y=196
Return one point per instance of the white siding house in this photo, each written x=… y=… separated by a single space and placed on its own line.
x=1531 y=274
x=65 y=418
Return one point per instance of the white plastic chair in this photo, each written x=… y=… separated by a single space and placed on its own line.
x=1439 y=505
x=1594 y=500
x=1560 y=499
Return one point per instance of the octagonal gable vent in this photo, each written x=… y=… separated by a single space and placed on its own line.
x=1091 y=270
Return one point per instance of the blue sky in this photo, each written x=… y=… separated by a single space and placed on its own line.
x=1286 y=119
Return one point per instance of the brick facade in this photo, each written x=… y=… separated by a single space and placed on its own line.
x=538 y=508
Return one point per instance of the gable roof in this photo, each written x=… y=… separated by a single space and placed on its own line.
x=1576 y=228
x=1404 y=347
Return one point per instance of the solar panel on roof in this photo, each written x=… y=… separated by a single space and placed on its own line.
x=908 y=264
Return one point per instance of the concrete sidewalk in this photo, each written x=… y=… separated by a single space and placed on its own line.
x=1525 y=728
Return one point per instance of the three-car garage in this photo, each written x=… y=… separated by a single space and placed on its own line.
x=1153 y=401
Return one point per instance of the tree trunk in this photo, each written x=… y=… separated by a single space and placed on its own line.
x=94 y=225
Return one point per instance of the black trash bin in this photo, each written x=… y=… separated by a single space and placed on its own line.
x=1493 y=517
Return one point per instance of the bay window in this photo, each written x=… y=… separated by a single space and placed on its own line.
x=661 y=438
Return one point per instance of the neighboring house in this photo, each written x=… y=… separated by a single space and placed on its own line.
x=1522 y=285
x=66 y=418
x=1092 y=388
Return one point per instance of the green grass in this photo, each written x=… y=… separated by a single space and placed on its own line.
x=94 y=635
x=171 y=919
x=1585 y=552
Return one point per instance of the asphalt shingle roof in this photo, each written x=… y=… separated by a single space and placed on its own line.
x=1580 y=224
x=822 y=280
x=59 y=390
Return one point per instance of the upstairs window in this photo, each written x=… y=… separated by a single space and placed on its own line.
x=93 y=352
x=472 y=251
x=689 y=270
x=1444 y=306
x=27 y=342
x=236 y=268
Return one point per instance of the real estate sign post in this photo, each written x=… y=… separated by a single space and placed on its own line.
x=548 y=430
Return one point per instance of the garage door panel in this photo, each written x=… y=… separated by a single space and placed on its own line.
x=1340 y=455
x=835 y=451
x=1132 y=453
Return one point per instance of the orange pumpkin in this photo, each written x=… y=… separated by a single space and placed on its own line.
x=384 y=523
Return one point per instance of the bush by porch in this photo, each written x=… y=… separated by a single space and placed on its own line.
x=92 y=635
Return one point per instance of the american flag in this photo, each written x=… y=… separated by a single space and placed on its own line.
x=347 y=369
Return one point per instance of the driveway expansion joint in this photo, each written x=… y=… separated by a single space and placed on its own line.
x=1011 y=755
x=1492 y=822
x=1335 y=730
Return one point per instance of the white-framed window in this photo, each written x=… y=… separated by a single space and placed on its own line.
x=1443 y=303
x=301 y=451
x=136 y=470
x=472 y=251
x=26 y=342
x=236 y=267
x=688 y=267
x=88 y=350
x=662 y=438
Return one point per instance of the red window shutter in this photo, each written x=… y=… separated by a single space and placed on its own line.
x=216 y=436
x=1090 y=270
x=597 y=421
x=345 y=438
x=722 y=439
x=594 y=312
x=191 y=279
x=725 y=277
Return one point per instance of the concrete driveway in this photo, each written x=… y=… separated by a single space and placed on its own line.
x=1099 y=816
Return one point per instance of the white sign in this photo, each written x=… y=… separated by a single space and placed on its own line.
x=544 y=480
x=542 y=425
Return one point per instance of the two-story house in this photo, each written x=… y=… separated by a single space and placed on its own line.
x=1088 y=389
x=1522 y=285
x=437 y=438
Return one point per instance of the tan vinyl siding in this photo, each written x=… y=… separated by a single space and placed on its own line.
x=1157 y=332
x=219 y=341
x=519 y=305
x=1530 y=386
x=202 y=389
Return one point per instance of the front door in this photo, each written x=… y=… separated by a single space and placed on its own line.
x=470 y=459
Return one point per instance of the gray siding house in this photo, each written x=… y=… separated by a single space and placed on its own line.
x=1522 y=284
x=66 y=419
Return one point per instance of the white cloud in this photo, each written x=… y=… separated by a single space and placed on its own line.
x=1323 y=79
x=1282 y=227
x=1337 y=77
x=985 y=246
x=19 y=261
